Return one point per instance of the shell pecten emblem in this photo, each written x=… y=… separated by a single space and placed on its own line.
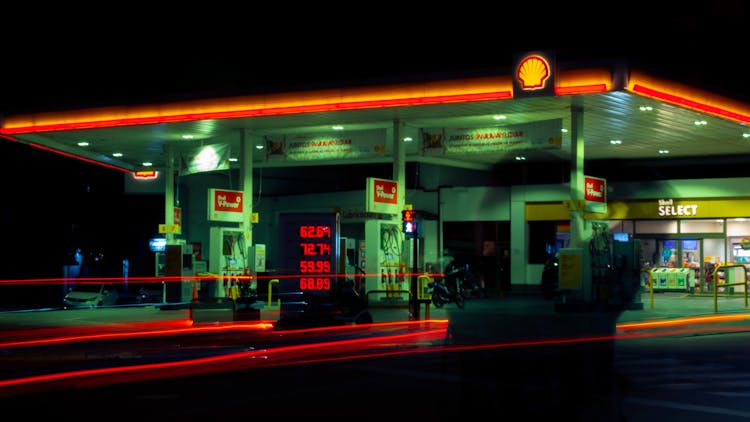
x=533 y=72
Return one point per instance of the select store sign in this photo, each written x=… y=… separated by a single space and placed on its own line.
x=668 y=208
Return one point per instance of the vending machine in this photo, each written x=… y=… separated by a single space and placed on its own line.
x=176 y=260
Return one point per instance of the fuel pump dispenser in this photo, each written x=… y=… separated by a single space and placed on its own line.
x=384 y=243
x=227 y=258
x=178 y=261
x=626 y=253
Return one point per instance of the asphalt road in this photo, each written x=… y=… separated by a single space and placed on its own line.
x=490 y=364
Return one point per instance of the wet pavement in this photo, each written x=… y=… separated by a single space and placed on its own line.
x=485 y=381
x=659 y=306
x=662 y=305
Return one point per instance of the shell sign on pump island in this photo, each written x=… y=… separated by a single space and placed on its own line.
x=225 y=205
x=382 y=196
x=595 y=194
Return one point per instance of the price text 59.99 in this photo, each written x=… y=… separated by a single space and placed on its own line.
x=315 y=266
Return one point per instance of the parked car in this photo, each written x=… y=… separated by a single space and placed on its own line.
x=149 y=295
x=87 y=295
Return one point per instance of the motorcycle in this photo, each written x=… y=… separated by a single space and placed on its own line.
x=472 y=285
x=441 y=295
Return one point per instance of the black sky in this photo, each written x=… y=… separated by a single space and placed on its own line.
x=137 y=55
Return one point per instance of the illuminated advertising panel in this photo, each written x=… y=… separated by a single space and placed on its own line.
x=331 y=146
x=205 y=158
x=308 y=251
x=458 y=142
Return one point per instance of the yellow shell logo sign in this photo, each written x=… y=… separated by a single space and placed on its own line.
x=533 y=72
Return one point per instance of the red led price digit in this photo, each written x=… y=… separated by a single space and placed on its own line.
x=314 y=232
x=312 y=249
x=309 y=283
x=314 y=267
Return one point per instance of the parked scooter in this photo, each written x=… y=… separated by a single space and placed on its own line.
x=441 y=294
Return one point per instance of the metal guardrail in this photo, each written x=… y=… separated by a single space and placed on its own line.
x=418 y=303
x=387 y=292
x=726 y=274
x=716 y=284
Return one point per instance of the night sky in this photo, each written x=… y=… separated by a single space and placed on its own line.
x=166 y=54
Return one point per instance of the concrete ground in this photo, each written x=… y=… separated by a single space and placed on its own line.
x=660 y=306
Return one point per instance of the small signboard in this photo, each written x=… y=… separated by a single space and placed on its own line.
x=225 y=205
x=382 y=196
x=595 y=194
x=571 y=268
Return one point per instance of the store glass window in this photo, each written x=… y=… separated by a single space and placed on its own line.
x=621 y=227
x=545 y=238
x=738 y=227
x=702 y=226
x=713 y=251
x=656 y=226
x=738 y=231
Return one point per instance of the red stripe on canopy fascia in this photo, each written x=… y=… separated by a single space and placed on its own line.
x=9 y=138
x=674 y=99
x=315 y=108
x=98 y=163
x=31 y=144
x=582 y=89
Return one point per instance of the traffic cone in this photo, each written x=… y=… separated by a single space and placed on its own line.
x=195 y=291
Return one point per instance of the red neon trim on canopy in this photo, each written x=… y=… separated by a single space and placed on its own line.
x=78 y=158
x=583 y=89
x=9 y=138
x=690 y=104
x=275 y=111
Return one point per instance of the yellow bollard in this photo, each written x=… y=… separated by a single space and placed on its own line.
x=270 y=284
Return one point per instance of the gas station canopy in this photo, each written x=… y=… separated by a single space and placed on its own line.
x=627 y=114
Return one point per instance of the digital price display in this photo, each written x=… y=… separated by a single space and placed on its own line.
x=308 y=251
